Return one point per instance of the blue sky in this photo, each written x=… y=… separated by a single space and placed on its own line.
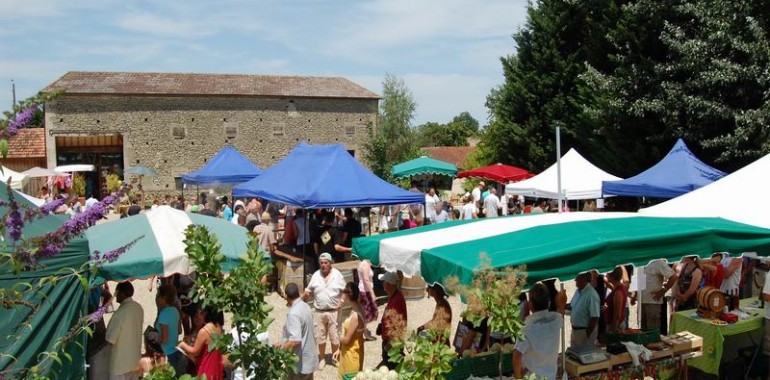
x=447 y=51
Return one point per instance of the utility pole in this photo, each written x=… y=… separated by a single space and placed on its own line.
x=13 y=92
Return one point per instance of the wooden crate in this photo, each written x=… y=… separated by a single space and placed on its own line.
x=683 y=342
x=575 y=368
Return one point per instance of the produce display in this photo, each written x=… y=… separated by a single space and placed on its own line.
x=379 y=374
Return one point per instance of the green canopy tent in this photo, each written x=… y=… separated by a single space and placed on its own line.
x=423 y=165
x=26 y=332
x=555 y=246
x=564 y=250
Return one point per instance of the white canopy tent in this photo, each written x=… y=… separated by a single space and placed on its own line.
x=579 y=180
x=17 y=179
x=739 y=197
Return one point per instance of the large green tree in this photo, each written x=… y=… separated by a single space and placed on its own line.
x=392 y=140
x=695 y=69
x=542 y=87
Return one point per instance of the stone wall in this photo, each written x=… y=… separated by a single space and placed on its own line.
x=176 y=135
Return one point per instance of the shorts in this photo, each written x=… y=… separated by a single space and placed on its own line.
x=326 y=323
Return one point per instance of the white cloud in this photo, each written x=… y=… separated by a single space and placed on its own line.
x=12 y=9
x=154 y=24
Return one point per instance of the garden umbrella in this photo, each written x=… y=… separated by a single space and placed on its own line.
x=37 y=172
x=74 y=168
x=160 y=249
x=423 y=165
x=498 y=172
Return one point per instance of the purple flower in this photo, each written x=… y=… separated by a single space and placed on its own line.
x=14 y=222
x=49 y=250
x=51 y=207
x=111 y=256
x=22 y=119
x=97 y=315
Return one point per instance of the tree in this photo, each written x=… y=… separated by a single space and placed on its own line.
x=694 y=69
x=542 y=85
x=392 y=140
x=454 y=133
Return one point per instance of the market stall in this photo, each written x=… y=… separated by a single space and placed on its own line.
x=228 y=166
x=679 y=172
x=498 y=172
x=715 y=333
x=580 y=179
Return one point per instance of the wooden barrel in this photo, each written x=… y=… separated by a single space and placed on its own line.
x=413 y=288
x=711 y=299
x=292 y=273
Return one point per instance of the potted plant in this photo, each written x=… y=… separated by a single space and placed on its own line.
x=78 y=188
x=113 y=182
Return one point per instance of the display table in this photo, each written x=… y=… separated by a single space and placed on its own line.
x=714 y=335
x=677 y=345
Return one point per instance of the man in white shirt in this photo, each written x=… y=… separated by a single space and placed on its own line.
x=504 y=204
x=326 y=287
x=659 y=278
x=431 y=202
x=297 y=335
x=469 y=210
x=491 y=204
x=537 y=351
x=476 y=193
x=90 y=202
x=125 y=334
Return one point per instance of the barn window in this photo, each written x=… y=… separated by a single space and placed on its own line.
x=178 y=132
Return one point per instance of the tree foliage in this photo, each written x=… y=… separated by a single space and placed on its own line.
x=392 y=140
x=242 y=294
x=625 y=79
x=454 y=133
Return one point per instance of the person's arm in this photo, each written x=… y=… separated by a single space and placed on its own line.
x=735 y=264
x=195 y=350
x=518 y=371
x=163 y=333
x=561 y=302
x=592 y=322
x=666 y=286
x=342 y=249
x=696 y=277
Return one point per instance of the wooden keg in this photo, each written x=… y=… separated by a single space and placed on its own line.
x=710 y=300
x=293 y=272
x=413 y=288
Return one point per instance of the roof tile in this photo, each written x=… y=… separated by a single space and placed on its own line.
x=131 y=83
x=28 y=143
x=455 y=155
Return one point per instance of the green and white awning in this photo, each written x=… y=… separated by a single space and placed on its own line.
x=555 y=245
x=160 y=251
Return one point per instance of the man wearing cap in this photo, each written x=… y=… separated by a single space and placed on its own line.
x=326 y=287
x=393 y=318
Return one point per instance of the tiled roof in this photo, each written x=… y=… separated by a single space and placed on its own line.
x=125 y=83
x=454 y=155
x=28 y=143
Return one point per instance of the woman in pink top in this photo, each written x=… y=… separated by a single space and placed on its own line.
x=366 y=298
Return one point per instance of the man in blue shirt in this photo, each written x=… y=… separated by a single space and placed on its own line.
x=584 y=312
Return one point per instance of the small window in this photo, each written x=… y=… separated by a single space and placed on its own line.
x=278 y=130
x=350 y=130
x=178 y=184
x=178 y=132
x=231 y=131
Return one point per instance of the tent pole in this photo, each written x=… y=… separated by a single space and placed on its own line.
x=304 y=243
x=558 y=166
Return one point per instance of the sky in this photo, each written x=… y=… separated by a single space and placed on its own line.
x=446 y=51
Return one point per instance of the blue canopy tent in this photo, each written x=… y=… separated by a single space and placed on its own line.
x=678 y=173
x=228 y=166
x=321 y=176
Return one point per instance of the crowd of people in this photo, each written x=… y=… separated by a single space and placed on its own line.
x=327 y=321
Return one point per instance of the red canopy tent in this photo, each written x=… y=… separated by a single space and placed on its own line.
x=498 y=172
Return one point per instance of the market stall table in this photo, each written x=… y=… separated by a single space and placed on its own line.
x=714 y=334
x=684 y=344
